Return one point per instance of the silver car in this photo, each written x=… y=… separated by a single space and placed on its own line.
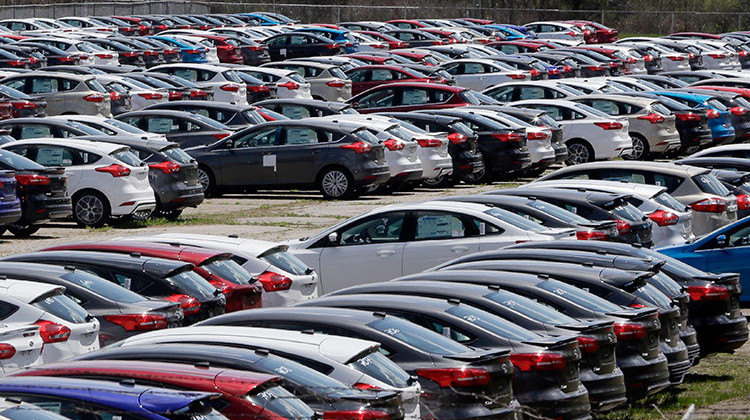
x=713 y=206
x=327 y=82
x=65 y=93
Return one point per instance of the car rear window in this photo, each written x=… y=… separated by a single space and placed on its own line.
x=124 y=126
x=557 y=212
x=515 y=220
x=102 y=287
x=127 y=157
x=366 y=136
x=666 y=199
x=380 y=367
x=176 y=154
x=492 y=323
x=228 y=270
x=61 y=306
x=710 y=185
x=253 y=117
x=279 y=258
x=281 y=402
x=579 y=296
x=96 y=86
x=417 y=336
x=302 y=375
x=85 y=128
x=17 y=162
x=530 y=308
x=716 y=104
x=665 y=282
x=628 y=212
x=651 y=294
x=193 y=284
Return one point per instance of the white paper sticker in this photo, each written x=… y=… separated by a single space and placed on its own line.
x=282 y=51
x=269 y=160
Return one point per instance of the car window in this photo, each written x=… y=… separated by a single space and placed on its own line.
x=102 y=287
x=383 y=228
x=515 y=220
x=127 y=157
x=415 y=96
x=579 y=296
x=48 y=155
x=68 y=84
x=378 y=99
x=299 y=135
x=439 y=225
x=189 y=74
x=295 y=112
x=61 y=306
x=417 y=336
x=709 y=184
x=378 y=366
x=162 y=125
x=33 y=131
x=262 y=138
x=530 y=308
x=492 y=323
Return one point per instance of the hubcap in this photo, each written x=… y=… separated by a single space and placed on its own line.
x=203 y=179
x=335 y=183
x=89 y=209
x=577 y=153
x=638 y=148
x=434 y=181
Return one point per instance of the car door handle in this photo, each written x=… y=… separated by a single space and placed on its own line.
x=385 y=253
x=459 y=248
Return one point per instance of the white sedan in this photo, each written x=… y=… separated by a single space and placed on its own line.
x=401 y=239
x=556 y=30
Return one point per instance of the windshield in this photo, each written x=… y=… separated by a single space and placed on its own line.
x=228 y=270
x=417 y=336
x=253 y=117
x=569 y=89
x=530 y=308
x=285 y=261
x=192 y=284
x=709 y=184
x=492 y=323
x=280 y=401
x=61 y=306
x=13 y=161
x=515 y=220
x=462 y=128
x=716 y=104
x=557 y=212
x=579 y=296
x=380 y=367
x=102 y=287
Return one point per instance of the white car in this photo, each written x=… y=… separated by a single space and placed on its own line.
x=671 y=221
x=479 y=74
x=556 y=30
x=401 y=239
x=84 y=50
x=65 y=328
x=110 y=126
x=286 y=279
x=716 y=56
x=88 y=25
x=531 y=89
x=104 y=179
x=222 y=81
x=20 y=342
x=741 y=150
x=671 y=60
x=634 y=61
x=327 y=82
x=27 y=27
x=588 y=133
x=341 y=358
x=283 y=83
x=368 y=43
x=141 y=94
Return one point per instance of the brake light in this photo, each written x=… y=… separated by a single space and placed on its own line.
x=220 y=136
x=456 y=378
x=116 y=170
x=259 y=88
x=653 y=118
x=230 y=88
x=198 y=94
x=67 y=59
x=138 y=322
x=223 y=287
x=553 y=72
x=429 y=142
x=366 y=387
x=507 y=137
x=23 y=105
x=358 y=147
x=594 y=68
x=588 y=344
x=567 y=69
x=332 y=46
x=536 y=135
x=457 y=138
x=688 y=117
x=717 y=56
x=129 y=54
x=83 y=57
x=289 y=85
x=192 y=51
x=623 y=227
x=7 y=351
x=517 y=76
x=664 y=218
x=151 y=96
x=32 y=180
x=571 y=33
x=167 y=167
x=535 y=72
x=16 y=63
x=591 y=235
x=104 y=56
x=274 y=282
x=114 y=96
x=535 y=362
x=710 y=205
x=52 y=332
x=626 y=331
x=356 y=415
x=94 y=97
x=743 y=201
x=255 y=48
x=612 y=125
x=393 y=144
x=174 y=95
x=677 y=58
x=710 y=292
x=336 y=83
x=189 y=305
x=691 y=56
x=712 y=113
x=738 y=111
x=647 y=58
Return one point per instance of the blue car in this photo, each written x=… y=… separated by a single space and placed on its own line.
x=719 y=116
x=10 y=205
x=510 y=33
x=262 y=19
x=84 y=398
x=342 y=37
x=189 y=52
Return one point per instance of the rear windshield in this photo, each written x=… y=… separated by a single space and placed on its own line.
x=176 y=154
x=301 y=375
x=492 y=323
x=716 y=104
x=210 y=122
x=461 y=128
x=17 y=162
x=366 y=136
x=380 y=367
x=336 y=72
x=579 y=296
x=628 y=212
x=651 y=294
x=530 y=308
x=192 y=284
x=285 y=261
x=85 y=128
x=417 y=336
x=124 y=126
x=665 y=283
x=280 y=401
x=515 y=220
x=253 y=117
x=710 y=185
x=62 y=307
x=102 y=287
x=30 y=412
x=557 y=212
x=127 y=157
x=661 y=109
x=666 y=199
x=228 y=270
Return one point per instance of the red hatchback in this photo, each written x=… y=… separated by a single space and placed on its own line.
x=404 y=97
x=367 y=77
x=244 y=395
x=604 y=34
x=228 y=50
x=745 y=92
x=241 y=290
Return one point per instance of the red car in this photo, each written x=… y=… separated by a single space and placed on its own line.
x=240 y=390
x=589 y=32
x=227 y=49
x=479 y=21
x=425 y=58
x=745 y=92
x=697 y=35
x=393 y=42
x=367 y=77
x=6 y=110
x=144 y=28
x=404 y=97
x=604 y=34
x=239 y=287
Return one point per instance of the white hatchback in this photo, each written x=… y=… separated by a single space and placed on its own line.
x=222 y=81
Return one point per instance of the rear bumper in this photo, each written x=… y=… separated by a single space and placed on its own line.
x=678 y=361
x=40 y=207
x=372 y=176
x=644 y=377
x=720 y=334
x=606 y=391
x=689 y=337
x=557 y=404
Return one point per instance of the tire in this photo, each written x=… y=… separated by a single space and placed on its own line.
x=441 y=181
x=23 y=231
x=480 y=177
x=208 y=183
x=579 y=152
x=640 y=148
x=91 y=209
x=168 y=214
x=336 y=184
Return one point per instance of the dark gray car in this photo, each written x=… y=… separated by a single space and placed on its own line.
x=234 y=116
x=180 y=127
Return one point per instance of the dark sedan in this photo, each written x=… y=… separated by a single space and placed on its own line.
x=184 y=128
x=301 y=44
x=233 y=116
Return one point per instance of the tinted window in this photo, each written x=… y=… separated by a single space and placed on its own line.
x=492 y=323
x=228 y=270
x=628 y=212
x=285 y=261
x=380 y=229
x=127 y=157
x=709 y=184
x=651 y=294
x=193 y=284
x=301 y=375
x=176 y=154
x=557 y=212
x=515 y=220
x=380 y=367
x=579 y=296
x=280 y=401
x=417 y=336
x=102 y=287
x=11 y=160
x=61 y=306
x=530 y=308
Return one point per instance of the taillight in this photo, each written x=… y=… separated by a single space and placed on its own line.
x=138 y=322
x=151 y=96
x=567 y=69
x=129 y=54
x=32 y=180
x=536 y=135
x=289 y=85
x=457 y=138
x=52 y=332
x=594 y=68
x=356 y=415
x=712 y=114
x=115 y=170
x=535 y=362
x=653 y=118
x=588 y=344
x=647 y=58
x=455 y=378
x=393 y=144
x=535 y=72
x=553 y=72
x=174 y=95
x=167 y=167
x=220 y=136
x=626 y=331
x=517 y=76
x=676 y=58
x=274 y=282
x=94 y=97
x=114 y=96
x=591 y=235
x=738 y=111
x=259 y=88
x=717 y=56
x=612 y=125
x=189 y=305
x=230 y=88
x=664 y=218
x=688 y=117
x=743 y=201
x=358 y=147
x=23 y=105
x=104 y=56
x=336 y=83
x=16 y=63
x=429 y=142
x=7 y=351
x=222 y=286
x=198 y=94
x=192 y=51
x=623 y=227
x=710 y=292
x=366 y=387
x=507 y=137
x=710 y=205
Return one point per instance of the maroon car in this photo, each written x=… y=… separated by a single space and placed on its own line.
x=405 y=97
x=604 y=34
x=367 y=77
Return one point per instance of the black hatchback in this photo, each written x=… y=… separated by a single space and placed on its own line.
x=234 y=116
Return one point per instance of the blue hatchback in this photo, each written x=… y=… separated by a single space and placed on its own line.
x=342 y=37
x=719 y=116
x=10 y=205
x=84 y=398
x=189 y=52
x=510 y=33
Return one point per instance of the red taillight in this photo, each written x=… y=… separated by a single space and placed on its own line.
x=647 y=58
x=366 y=387
x=613 y=125
x=717 y=56
x=220 y=136
x=594 y=68
x=738 y=111
x=553 y=72
x=151 y=96
x=358 y=147
x=104 y=56
x=588 y=344
x=678 y=58
x=259 y=88
x=712 y=114
x=114 y=96
x=193 y=51
x=536 y=135
x=356 y=415
x=198 y=94
x=174 y=95
x=332 y=46
x=507 y=137
x=710 y=292
x=289 y=85
x=626 y=331
x=664 y=218
x=743 y=201
x=653 y=118
x=32 y=180
x=167 y=167
x=535 y=362
x=517 y=76
x=189 y=305
x=16 y=63
x=591 y=235
x=429 y=142
x=393 y=144
x=457 y=138
x=709 y=205
x=94 y=97
x=336 y=83
x=52 y=332
x=230 y=88
x=567 y=69
x=23 y=105
x=129 y=54
x=623 y=227
x=535 y=72
x=456 y=378
x=378 y=46
x=67 y=59
x=688 y=117
x=115 y=170
x=7 y=351
x=83 y=57
x=274 y=282
x=224 y=287
x=255 y=48
x=138 y=322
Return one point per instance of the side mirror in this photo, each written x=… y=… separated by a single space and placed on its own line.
x=721 y=241
x=333 y=238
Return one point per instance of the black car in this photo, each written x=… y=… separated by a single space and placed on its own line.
x=437 y=361
x=503 y=148
x=637 y=351
x=613 y=64
x=34 y=56
x=54 y=55
x=171 y=55
x=714 y=306
x=42 y=192
x=340 y=159
x=30 y=128
x=184 y=128
x=151 y=277
x=570 y=67
x=632 y=225
x=599 y=372
x=305 y=108
x=233 y=116
x=23 y=104
x=301 y=44
x=588 y=66
x=152 y=56
x=121 y=312
x=127 y=55
x=173 y=174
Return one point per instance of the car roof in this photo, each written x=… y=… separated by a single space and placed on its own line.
x=259 y=247
x=87 y=145
x=662 y=167
x=645 y=190
x=134 y=261
x=207 y=104
x=26 y=291
x=619 y=98
x=133 y=141
x=309 y=102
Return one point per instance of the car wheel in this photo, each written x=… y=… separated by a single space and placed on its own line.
x=23 y=231
x=336 y=184
x=640 y=149
x=90 y=209
x=206 y=178
x=579 y=152
x=441 y=181
x=478 y=177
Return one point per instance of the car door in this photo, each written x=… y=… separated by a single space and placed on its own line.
x=439 y=236
x=732 y=258
x=367 y=250
x=470 y=75
x=298 y=45
x=297 y=150
x=251 y=160
x=44 y=87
